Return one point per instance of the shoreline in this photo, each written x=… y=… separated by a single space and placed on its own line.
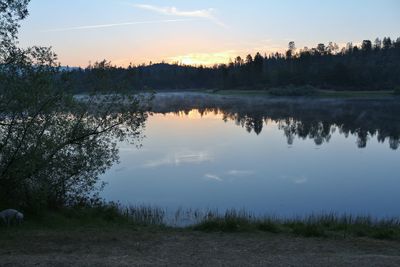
x=113 y=216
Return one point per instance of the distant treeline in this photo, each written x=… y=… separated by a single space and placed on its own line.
x=369 y=66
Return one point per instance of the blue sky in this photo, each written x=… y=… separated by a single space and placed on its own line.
x=194 y=32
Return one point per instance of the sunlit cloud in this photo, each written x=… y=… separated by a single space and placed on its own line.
x=100 y=26
x=213 y=177
x=206 y=59
x=208 y=14
x=228 y=53
x=180 y=158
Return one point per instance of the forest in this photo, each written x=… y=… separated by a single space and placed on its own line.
x=368 y=66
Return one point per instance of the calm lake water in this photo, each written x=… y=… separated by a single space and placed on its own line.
x=274 y=156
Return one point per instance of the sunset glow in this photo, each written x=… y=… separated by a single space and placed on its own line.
x=196 y=32
x=206 y=59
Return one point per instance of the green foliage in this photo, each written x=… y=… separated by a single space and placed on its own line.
x=294 y=91
x=54 y=145
x=11 y=12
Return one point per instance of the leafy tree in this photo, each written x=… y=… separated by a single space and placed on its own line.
x=249 y=59
x=366 y=46
x=238 y=61
x=377 y=44
x=11 y=12
x=387 y=43
x=258 y=63
x=321 y=49
x=54 y=145
x=291 y=49
x=332 y=48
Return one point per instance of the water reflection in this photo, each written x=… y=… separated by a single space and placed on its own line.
x=232 y=152
x=306 y=118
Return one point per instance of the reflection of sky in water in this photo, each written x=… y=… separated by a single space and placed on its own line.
x=193 y=162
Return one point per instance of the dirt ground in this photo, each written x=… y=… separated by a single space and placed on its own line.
x=185 y=248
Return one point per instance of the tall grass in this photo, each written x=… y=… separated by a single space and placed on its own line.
x=314 y=225
x=145 y=215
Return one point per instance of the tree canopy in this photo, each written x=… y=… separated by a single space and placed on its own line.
x=54 y=145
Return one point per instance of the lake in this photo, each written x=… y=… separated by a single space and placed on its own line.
x=276 y=156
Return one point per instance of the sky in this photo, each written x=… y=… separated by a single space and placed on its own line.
x=199 y=32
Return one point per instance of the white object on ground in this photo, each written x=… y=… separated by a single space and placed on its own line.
x=10 y=214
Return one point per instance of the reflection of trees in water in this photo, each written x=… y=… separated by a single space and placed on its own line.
x=314 y=119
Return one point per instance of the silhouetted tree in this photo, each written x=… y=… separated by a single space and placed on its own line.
x=387 y=43
x=366 y=46
x=291 y=50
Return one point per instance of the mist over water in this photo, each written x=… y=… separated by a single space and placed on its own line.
x=267 y=155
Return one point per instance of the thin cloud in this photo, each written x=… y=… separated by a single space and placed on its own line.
x=100 y=26
x=173 y=11
x=179 y=158
x=301 y=180
x=296 y=179
x=213 y=177
x=240 y=172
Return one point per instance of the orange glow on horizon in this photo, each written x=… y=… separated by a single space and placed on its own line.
x=205 y=59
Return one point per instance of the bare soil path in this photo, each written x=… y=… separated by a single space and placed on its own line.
x=185 y=248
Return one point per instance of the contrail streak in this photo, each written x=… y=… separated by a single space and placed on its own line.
x=117 y=25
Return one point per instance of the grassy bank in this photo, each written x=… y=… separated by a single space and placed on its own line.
x=142 y=217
